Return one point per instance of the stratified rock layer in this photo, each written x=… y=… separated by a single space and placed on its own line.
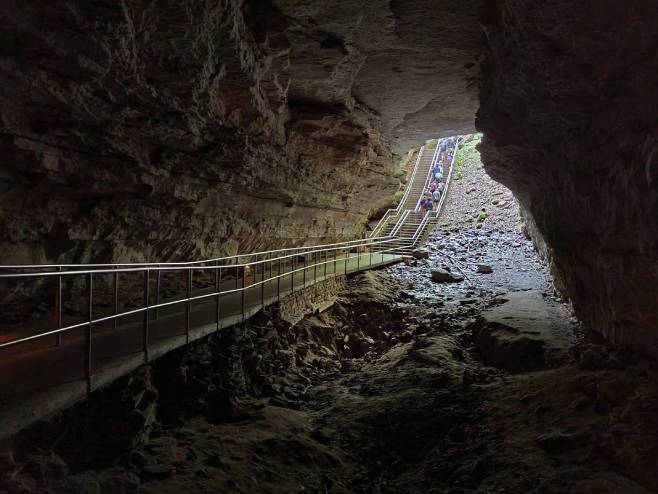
x=175 y=130
x=569 y=116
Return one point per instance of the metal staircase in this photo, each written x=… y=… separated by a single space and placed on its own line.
x=409 y=225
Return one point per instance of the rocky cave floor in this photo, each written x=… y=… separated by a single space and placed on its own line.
x=403 y=385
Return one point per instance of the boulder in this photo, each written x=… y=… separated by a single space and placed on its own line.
x=484 y=269
x=420 y=254
x=406 y=336
x=364 y=319
x=444 y=276
x=525 y=333
x=360 y=345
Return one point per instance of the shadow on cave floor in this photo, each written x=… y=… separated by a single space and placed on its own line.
x=402 y=385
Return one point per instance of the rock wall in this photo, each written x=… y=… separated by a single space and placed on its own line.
x=164 y=130
x=568 y=109
x=167 y=130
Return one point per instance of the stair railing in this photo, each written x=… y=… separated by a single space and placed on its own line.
x=407 y=190
x=428 y=179
x=431 y=216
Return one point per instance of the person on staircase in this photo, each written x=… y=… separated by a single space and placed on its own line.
x=433 y=186
x=438 y=175
x=425 y=205
x=436 y=199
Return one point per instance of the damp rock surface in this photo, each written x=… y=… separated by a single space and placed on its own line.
x=570 y=128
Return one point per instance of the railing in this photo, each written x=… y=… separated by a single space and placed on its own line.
x=449 y=177
x=421 y=227
x=400 y=222
x=428 y=179
x=281 y=264
x=380 y=224
x=411 y=180
x=298 y=250
x=242 y=272
x=430 y=215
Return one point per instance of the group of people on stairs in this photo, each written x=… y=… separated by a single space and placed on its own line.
x=432 y=195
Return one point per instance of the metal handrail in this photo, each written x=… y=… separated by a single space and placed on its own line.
x=407 y=191
x=382 y=221
x=166 y=304
x=181 y=263
x=429 y=173
x=245 y=274
x=411 y=180
x=148 y=269
x=421 y=225
x=434 y=215
x=449 y=177
x=400 y=222
x=153 y=267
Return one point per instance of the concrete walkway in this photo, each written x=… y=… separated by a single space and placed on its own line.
x=38 y=378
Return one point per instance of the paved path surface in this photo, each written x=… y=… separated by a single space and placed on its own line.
x=38 y=378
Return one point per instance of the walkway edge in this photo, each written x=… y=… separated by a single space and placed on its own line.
x=46 y=403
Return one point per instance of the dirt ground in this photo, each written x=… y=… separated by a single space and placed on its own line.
x=403 y=385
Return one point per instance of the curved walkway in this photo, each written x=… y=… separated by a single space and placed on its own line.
x=56 y=361
x=134 y=313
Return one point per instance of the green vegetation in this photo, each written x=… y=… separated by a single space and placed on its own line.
x=467 y=154
x=494 y=199
x=480 y=218
x=431 y=143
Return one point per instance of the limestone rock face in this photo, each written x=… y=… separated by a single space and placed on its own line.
x=162 y=130
x=568 y=109
x=175 y=130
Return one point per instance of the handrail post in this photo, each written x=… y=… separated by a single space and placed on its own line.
x=326 y=255
x=304 y=272
x=278 y=281
x=145 y=334
x=116 y=300
x=335 y=263
x=157 y=292
x=292 y=272
x=188 y=306
x=315 y=267
x=90 y=316
x=262 y=286
x=59 y=307
x=218 y=289
x=244 y=291
x=347 y=255
x=237 y=271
